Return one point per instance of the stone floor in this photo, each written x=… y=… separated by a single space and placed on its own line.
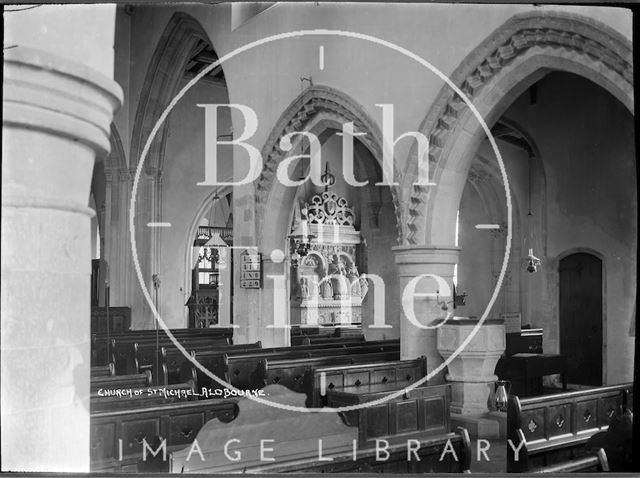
x=497 y=454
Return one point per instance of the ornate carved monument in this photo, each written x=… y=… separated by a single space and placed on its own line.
x=327 y=286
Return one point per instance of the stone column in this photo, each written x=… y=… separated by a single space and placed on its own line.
x=118 y=247
x=257 y=311
x=56 y=120
x=413 y=261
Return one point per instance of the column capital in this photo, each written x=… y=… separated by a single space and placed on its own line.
x=78 y=102
x=58 y=112
x=415 y=255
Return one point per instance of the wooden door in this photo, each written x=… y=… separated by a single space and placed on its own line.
x=581 y=318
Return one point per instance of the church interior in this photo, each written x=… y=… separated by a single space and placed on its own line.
x=318 y=237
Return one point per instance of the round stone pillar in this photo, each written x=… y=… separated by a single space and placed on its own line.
x=56 y=120
x=413 y=262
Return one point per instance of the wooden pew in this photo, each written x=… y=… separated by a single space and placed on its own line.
x=311 y=340
x=297 y=439
x=244 y=367
x=136 y=380
x=103 y=371
x=295 y=374
x=133 y=355
x=401 y=372
x=421 y=411
x=101 y=344
x=552 y=430
x=326 y=331
x=178 y=422
x=246 y=370
x=171 y=359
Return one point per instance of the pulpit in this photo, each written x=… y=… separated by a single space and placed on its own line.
x=328 y=288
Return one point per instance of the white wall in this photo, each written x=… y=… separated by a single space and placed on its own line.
x=586 y=143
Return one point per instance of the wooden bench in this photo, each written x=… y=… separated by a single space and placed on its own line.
x=552 y=430
x=244 y=367
x=132 y=355
x=246 y=371
x=103 y=371
x=171 y=359
x=297 y=439
x=101 y=344
x=310 y=340
x=126 y=429
x=401 y=372
x=295 y=374
x=419 y=412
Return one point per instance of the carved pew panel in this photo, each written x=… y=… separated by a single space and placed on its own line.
x=296 y=441
x=422 y=411
x=401 y=372
x=178 y=422
x=246 y=371
x=295 y=373
x=555 y=428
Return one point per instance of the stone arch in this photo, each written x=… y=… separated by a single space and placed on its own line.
x=516 y=55
x=161 y=83
x=316 y=109
x=116 y=159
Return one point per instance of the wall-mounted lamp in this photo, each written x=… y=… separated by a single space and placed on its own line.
x=532 y=262
x=458 y=300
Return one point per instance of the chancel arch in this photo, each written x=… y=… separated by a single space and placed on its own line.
x=322 y=111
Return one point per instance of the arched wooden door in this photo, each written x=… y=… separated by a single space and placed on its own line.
x=581 y=318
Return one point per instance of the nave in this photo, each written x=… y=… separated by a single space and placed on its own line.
x=339 y=266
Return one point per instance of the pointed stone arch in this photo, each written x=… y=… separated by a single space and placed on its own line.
x=166 y=70
x=116 y=160
x=516 y=55
x=315 y=110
